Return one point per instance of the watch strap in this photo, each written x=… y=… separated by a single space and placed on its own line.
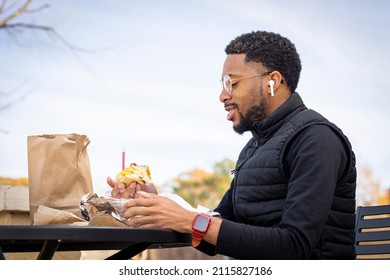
x=196 y=242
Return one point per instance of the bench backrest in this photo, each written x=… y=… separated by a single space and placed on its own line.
x=373 y=232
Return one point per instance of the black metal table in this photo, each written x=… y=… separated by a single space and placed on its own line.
x=49 y=239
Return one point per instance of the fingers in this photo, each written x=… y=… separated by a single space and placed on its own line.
x=142 y=194
x=131 y=190
x=119 y=190
x=115 y=193
x=141 y=213
x=111 y=182
x=141 y=221
x=140 y=202
x=152 y=210
x=139 y=207
x=121 y=187
x=135 y=190
x=149 y=188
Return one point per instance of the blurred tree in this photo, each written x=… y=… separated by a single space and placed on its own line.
x=384 y=198
x=5 y=181
x=199 y=187
x=369 y=190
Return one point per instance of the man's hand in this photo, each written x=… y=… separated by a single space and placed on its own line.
x=154 y=211
x=119 y=190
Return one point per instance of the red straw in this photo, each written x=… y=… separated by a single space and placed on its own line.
x=123 y=160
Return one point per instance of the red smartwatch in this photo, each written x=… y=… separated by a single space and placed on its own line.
x=200 y=226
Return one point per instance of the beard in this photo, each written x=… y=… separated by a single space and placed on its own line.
x=255 y=114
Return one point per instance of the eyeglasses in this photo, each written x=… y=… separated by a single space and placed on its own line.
x=228 y=82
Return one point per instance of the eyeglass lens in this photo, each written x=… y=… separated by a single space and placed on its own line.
x=227 y=83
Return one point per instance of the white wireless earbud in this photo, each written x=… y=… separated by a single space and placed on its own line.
x=271 y=84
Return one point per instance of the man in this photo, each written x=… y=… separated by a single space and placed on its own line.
x=293 y=192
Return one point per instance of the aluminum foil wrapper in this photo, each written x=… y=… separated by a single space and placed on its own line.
x=105 y=204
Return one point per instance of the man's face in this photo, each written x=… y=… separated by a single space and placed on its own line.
x=246 y=102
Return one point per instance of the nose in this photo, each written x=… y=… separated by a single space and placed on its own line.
x=224 y=95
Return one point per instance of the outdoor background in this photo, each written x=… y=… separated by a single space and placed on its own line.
x=144 y=76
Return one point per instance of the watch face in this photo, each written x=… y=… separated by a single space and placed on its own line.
x=201 y=223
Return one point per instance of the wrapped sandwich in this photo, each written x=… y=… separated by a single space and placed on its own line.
x=108 y=205
x=94 y=205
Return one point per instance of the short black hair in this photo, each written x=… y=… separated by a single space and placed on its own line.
x=272 y=50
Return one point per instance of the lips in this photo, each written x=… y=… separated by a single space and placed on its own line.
x=231 y=109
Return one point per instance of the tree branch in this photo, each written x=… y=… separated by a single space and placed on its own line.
x=15 y=14
x=9 y=26
x=49 y=30
x=11 y=103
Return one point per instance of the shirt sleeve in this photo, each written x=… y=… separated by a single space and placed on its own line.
x=316 y=159
x=225 y=207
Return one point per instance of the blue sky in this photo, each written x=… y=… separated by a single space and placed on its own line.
x=151 y=81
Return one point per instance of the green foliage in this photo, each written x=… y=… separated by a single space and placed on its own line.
x=199 y=187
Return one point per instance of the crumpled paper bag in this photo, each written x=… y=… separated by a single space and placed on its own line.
x=50 y=216
x=58 y=171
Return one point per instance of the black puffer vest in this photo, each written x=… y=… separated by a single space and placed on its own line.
x=260 y=182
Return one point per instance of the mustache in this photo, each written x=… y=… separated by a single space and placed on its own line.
x=232 y=104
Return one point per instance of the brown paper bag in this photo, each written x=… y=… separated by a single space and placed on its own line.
x=49 y=216
x=58 y=172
